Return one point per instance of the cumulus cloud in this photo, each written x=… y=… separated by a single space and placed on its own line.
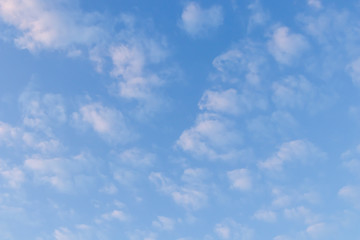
x=297 y=150
x=240 y=179
x=14 y=176
x=317 y=230
x=116 y=215
x=8 y=134
x=351 y=194
x=231 y=230
x=133 y=58
x=301 y=213
x=48 y=25
x=286 y=46
x=239 y=63
x=230 y=101
x=197 y=21
x=212 y=137
x=107 y=122
x=265 y=215
x=64 y=174
x=189 y=196
x=164 y=223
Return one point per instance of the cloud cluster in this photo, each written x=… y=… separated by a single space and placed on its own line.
x=49 y=26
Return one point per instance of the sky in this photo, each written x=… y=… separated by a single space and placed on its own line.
x=179 y=120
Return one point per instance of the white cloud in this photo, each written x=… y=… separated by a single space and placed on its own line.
x=8 y=134
x=353 y=69
x=194 y=176
x=317 y=230
x=197 y=21
x=315 y=3
x=239 y=63
x=48 y=25
x=286 y=46
x=297 y=150
x=13 y=175
x=107 y=122
x=265 y=215
x=281 y=237
x=258 y=15
x=277 y=124
x=293 y=92
x=142 y=235
x=164 y=223
x=240 y=179
x=46 y=145
x=231 y=230
x=42 y=111
x=212 y=137
x=351 y=194
x=15 y=136
x=65 y=174
x=301 y=213
x=136 y=157
x=230 y=101
x=64 y=234
x=125 y=176
x=133 y=60
x=116 y=215
x=189 y=196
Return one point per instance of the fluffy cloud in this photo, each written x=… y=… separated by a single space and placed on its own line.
x=351 y=194
x=64 y=174
x=265 y=215
x=115 y=215
x=50 y=26
x=240 y=179
x=14 y=176
x=231 y=230
x=197 y=21
x=239 y=63
x=212 y=137
x=107 y=122
x=164 y=223
x=134 y=56
x=317 y=230
x=297 y=150
x=301 y=213
x=8 y=134
x=286 y=46
x=189 y=196
x=230 y=101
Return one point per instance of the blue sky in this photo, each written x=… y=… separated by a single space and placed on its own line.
x=184 y=120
